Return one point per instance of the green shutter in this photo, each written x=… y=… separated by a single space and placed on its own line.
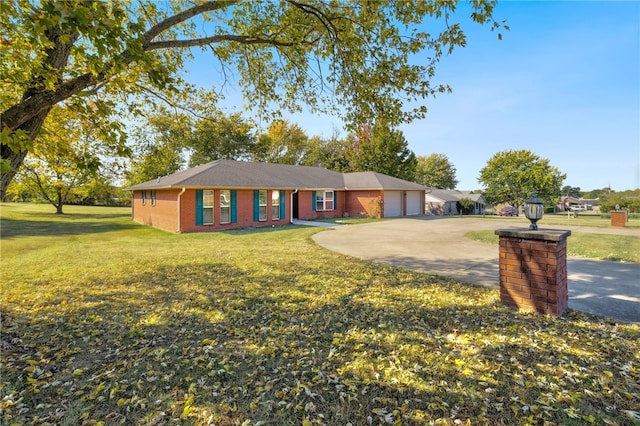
x=199 y=204
x=313 y=201
x=256 y=205
x=234 y=207
x=283 y=213
x=335 y=200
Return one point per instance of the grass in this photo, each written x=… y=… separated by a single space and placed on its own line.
x=107 y=322
x=348 y=220
x=620 y=248
x=583 y=219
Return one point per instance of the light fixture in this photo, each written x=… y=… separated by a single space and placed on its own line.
x=533 y=210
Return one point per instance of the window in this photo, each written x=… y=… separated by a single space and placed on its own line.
x=324 y=200
x=144 y=197
x=207 y=207
x=275 y=205
x=262 y=206
x=225 y=206
x=153 y=198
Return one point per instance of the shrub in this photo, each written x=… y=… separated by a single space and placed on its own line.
x=467 y=205
x=631 y=203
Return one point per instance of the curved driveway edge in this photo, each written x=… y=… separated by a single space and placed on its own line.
x=436 y=245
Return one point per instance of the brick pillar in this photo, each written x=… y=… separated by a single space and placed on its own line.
x=618 y=218
x=533 y=270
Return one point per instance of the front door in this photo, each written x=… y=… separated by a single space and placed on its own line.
x=295 y=205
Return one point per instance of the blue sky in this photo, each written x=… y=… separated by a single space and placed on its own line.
x=564 y=82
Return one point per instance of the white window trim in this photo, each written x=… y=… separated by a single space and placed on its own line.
x=324 y=200
x=211 y=207
x=275 y=216
x=227 y=207
x=265 y=205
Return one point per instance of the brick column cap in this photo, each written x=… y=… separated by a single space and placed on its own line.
x=540 y=234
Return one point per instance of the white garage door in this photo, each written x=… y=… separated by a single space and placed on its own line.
x=413 y=203
x=392 y=203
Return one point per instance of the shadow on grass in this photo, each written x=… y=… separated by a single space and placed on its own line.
x=63 y=225
x=80 y=216
x=605 y=288
x=233 y=344
x=259 y=230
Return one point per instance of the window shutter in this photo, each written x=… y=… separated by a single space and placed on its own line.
x=283 y=196
x=199 y=204
x=335 y=200
x=256 y=205
x=313 y=201
x=234 y=207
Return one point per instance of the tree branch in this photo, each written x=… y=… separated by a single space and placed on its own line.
x=41 y=100
x=171 y=21
x=169 y=102
x=320 y=16
x=177 y=44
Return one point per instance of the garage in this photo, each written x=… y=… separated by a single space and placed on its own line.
x=414 y=202
x=392 y=203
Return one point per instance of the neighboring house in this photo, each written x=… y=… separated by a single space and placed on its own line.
x=565 y=203
x=441 y=202
x=227 y=194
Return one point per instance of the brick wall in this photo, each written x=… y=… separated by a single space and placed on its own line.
x=361 y=203
x=305 y=206
x=618 y=218
x=244 y=205
x=533 y=271
x=162 y=215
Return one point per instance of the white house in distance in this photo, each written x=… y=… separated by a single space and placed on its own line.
x=440 y=202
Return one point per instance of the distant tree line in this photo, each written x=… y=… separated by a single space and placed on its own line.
x=170 y=141
x=78 y=164
x=627 y=200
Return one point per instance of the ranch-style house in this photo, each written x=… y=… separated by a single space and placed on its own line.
x=228 y=194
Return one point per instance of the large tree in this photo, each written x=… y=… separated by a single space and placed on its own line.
x=283 y=143
x=331 y=154
x=384 y=150
x=221 y=136
x=360 y=58
x=571 y=191
x=436 y=171
x=512 y=176
x=66 y=159
x=159 y=144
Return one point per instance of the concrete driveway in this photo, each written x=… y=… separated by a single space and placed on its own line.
x=436 y=245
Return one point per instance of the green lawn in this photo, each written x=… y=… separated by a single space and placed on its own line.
x=583 y=219
x=108 y=322
x=620 y=248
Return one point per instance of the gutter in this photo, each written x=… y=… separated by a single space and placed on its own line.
x=132 y=205
x=179 y=230
x=291 y=205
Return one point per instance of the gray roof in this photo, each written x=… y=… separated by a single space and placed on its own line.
x=375 y=180
x=242 y=174
x=448 y=195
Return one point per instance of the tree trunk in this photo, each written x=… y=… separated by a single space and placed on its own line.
x=16 y=158
x=56 y=57
x=59 y=202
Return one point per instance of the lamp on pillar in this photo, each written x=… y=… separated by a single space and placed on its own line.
x=533 y=210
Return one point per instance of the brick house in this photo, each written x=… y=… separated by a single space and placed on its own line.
x=227 y=194
x=440 y=202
